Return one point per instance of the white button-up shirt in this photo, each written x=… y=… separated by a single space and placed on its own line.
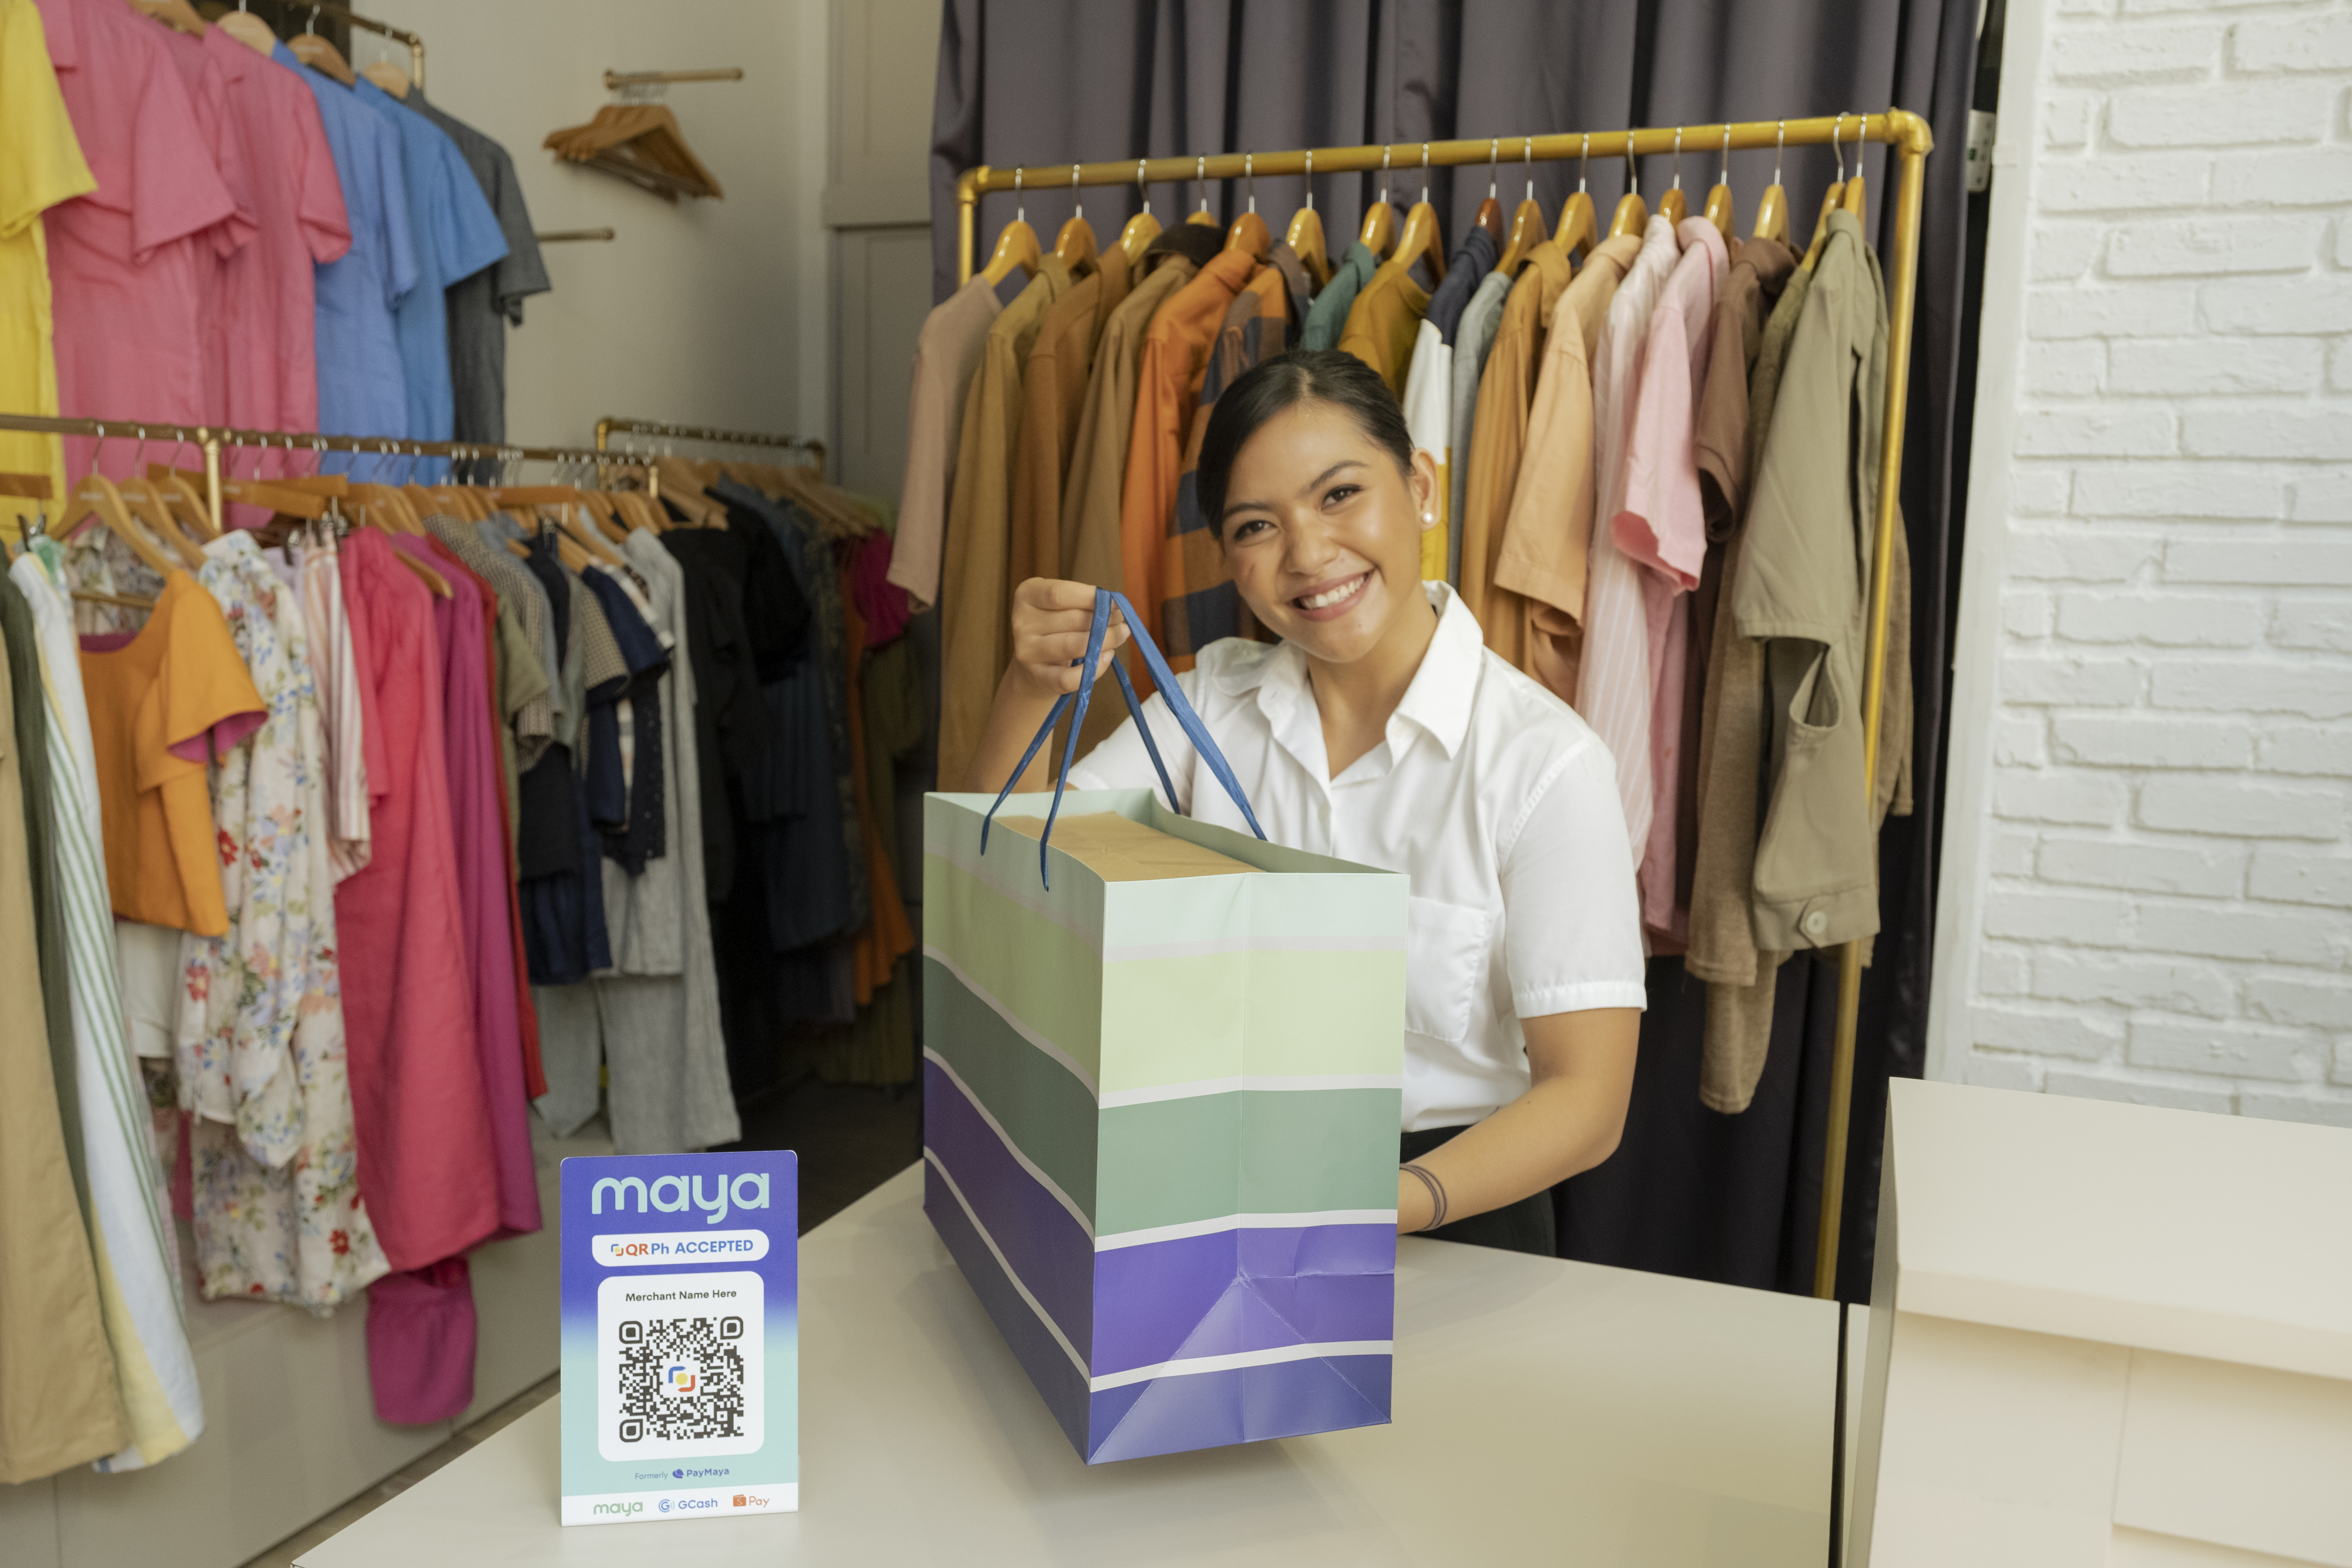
x=1487 y=790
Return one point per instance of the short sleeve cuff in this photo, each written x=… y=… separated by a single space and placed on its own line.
x=1541 y=1001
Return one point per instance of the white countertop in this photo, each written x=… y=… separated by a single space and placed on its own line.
x=2173 y=1230
x=1545 y=1412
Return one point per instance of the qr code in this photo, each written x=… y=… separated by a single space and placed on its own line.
x=681 y=1379
x=680 y=1365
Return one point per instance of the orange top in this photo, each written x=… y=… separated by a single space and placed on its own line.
x=162 y=701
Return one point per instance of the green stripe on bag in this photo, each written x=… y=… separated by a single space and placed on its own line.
x=1047 y=1113
x=1047 y=976
x=1176 y=1161
x=1255 y=1012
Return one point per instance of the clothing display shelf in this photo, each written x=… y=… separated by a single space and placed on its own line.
x=213 y=440
x=1905 y=133
x=607 y=428
x=381 y=29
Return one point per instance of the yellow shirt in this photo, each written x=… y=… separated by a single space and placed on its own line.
x=40 y=166
x=1382 y=326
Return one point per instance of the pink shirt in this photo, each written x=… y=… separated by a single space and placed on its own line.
x=262 y=332
x=1660 y=528
x=1612 y=686
x=426 y=1161
x=127 y=261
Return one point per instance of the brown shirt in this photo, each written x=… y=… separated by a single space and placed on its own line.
x=1090 y=498
x=1384 y=321
x=1536 y=600
x=947 y=355
x=1054 y=398
x=975 y=588
x=1507 y=390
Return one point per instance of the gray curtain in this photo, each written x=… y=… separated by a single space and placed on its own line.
x=1053 y=81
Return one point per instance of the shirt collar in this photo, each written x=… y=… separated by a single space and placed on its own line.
x=1438 y=700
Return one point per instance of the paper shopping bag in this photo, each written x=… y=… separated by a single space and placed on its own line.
x=1162 y=1083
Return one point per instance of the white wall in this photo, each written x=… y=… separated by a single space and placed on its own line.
x=711 y=313
x=2149 y=860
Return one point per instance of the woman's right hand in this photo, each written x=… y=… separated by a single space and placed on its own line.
x=1050 y=623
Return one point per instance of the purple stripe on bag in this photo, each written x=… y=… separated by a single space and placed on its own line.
x=1243 y=1289
x=1044 y=1243
x=1244 y=1404
x=1058 y=1382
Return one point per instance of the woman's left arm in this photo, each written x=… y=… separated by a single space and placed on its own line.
x=1568 y=1120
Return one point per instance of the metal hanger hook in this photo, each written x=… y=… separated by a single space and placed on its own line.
x=1835 y=126
x=1020 y=208
x=1077 y=200
x=1632 y=169
x=1678 y=157
x=98 y=445
x=1583 y=159
x=1779 y=145
x=1384 y=173
x=1310 y=179
x=1142 y=189
x=1201 y=178
x=1723 y=176
x=1494 y=159
x=1424 y=184
x=1250 y=176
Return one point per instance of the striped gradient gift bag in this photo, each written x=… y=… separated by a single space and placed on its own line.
x=1163 y=1067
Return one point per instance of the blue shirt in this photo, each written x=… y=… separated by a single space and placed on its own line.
x=362 y=388
x=455 y=235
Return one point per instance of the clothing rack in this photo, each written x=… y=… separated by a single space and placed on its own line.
x=613 y=425
x=383 y=30
x=1901 y=130
x=211 y=440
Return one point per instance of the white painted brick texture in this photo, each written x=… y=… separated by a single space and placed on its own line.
x=2167 y=907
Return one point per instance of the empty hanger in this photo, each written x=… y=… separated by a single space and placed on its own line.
x=1306 y=233
x=387 y=76
x=1672 y=207
x=1379 y=235
x=1017 y=245
x=1631 y=216
x=1249 y=230
x=1772 y=212
x=642 y=143
x=1577 y=224
x=319 y=55
x=248 y=29
x=1142 y=228
x=1201 y=215
x=1076 y=243
x=1527 y=223
x=1490 y=211
x=1829 y=200
x=1420 y=240
x=1718 y=200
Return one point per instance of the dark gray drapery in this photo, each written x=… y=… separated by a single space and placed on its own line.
x=1052 y=81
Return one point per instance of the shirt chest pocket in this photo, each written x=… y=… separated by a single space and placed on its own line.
x=1445 y=960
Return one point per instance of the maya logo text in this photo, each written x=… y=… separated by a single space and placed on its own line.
x=676 y=1195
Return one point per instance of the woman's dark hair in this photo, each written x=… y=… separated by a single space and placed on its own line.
x=1266 y=389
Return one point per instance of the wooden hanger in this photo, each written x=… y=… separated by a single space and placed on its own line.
x=176 y=14
x=147 y=503
x=249 y=29
x=277 y=495
x=1075 y=244
x=319 y=55
x=1379 y=231
x=1304 y=235
x=1718 y=200
x=1772 y=211
x=97 y=497
x=642 y=144
x=1142 y=228
x=1673 y=206
x=1249 y=231
x=1579 y=227
x=1017 y=245
x=186 y=505
x=1421 y=239
x=1631 y=216
x=1830 y=199
x=387 y=76
x=1201 y=215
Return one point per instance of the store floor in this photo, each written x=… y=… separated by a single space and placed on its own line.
x=850 y=1139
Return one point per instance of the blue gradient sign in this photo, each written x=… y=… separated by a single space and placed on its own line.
x=681 y=1337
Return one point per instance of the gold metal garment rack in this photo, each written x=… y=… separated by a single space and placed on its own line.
x=211 y=440
x=606 y=428
x=383 y=30
x=1903 y=131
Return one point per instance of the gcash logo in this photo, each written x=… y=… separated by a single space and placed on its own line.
x=624 y=1509
x=681 y=1378
x=676 y=1195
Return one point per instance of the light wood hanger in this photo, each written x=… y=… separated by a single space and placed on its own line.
x=186 y=505
x=319 y=55
x=277 y=495
x=642 y=144
x=1718 y=200
x=1828 y=203
x=147 y=504
x=1379 y=231
x=387 y=76
x=176 y=14
x=1016 y=246
x=97 y=497
x=1490 y=211
x=1421 y=239
x=1579 y=224
x=1142 y=228
x=1304 y=235
x=1075 y=244
x=1673 y=206
x=1631 y=216
x=1249 y=231
x=249 y=29
x=1772 y=211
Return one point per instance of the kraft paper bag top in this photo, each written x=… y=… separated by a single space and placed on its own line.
x=1119 y=850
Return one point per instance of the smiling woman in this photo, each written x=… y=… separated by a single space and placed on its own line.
x=1382 y=730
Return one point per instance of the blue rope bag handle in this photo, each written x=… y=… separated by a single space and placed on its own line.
x=1173 y=694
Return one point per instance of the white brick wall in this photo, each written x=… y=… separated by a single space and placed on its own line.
x=2147 y=880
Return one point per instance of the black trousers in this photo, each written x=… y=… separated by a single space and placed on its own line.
x=1522 y=1227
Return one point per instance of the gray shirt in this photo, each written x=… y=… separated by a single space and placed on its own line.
x=481 y=305
x=1473 y=336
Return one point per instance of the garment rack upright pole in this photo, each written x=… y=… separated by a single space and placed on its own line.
x=1906 y=133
